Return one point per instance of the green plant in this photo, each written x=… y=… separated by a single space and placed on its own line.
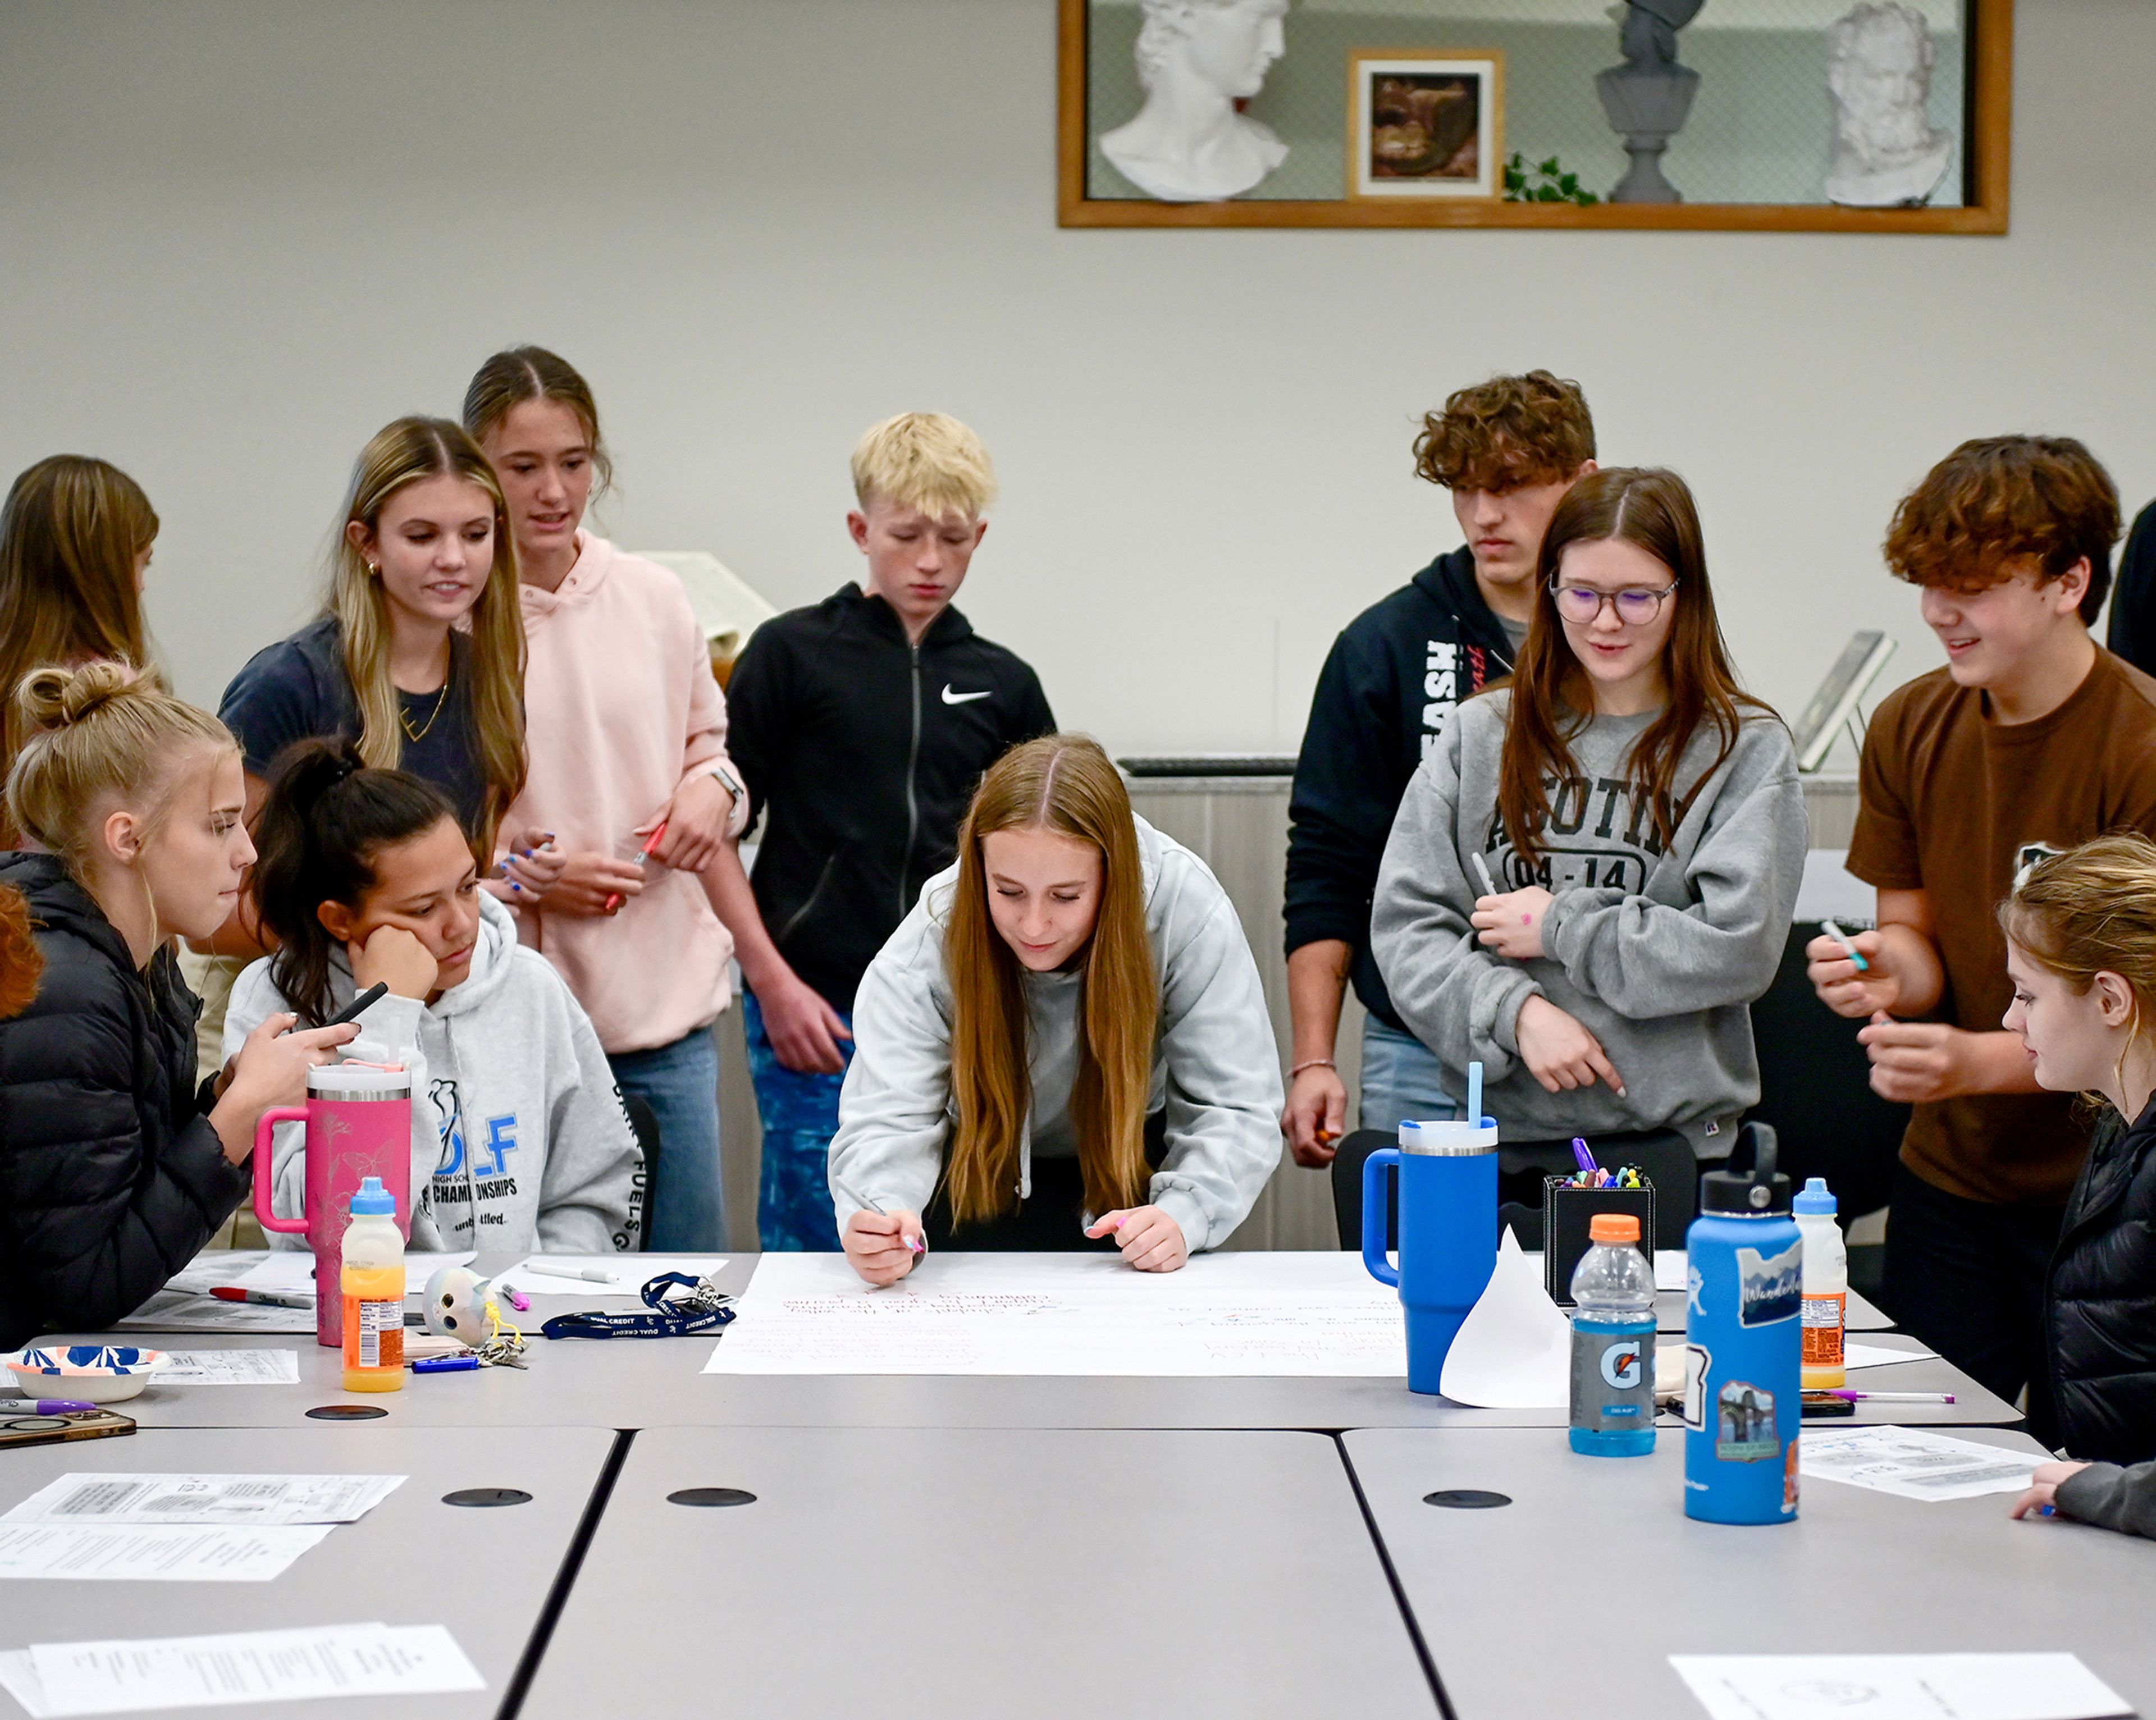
x=1549 y=183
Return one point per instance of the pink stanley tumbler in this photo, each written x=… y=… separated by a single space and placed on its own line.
x=359 y=1125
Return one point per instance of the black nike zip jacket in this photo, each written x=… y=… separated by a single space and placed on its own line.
x=859 y=753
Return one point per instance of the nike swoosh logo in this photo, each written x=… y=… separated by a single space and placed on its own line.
x=952 y=698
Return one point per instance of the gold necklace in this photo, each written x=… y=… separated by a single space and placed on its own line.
x=416 y=736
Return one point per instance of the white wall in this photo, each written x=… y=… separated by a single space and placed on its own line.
x=237 y=235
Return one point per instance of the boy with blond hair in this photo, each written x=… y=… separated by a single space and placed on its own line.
x=860 y=725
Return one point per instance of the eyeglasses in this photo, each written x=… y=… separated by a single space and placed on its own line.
x=1635 y=606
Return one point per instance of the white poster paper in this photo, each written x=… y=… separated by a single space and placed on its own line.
x=63 y=1679
x=1973 y=1686
x=1878 y=1355
x=88 y=1497
x=1235 y=1314
x=1514 y=1350
x=1912 y=1462
x=184 y=1552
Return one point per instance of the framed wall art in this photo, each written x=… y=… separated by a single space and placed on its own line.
x=1825 y=116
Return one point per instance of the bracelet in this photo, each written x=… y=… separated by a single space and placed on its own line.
x=1311 y=1063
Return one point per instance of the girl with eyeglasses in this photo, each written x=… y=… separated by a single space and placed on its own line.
x=1639 y=825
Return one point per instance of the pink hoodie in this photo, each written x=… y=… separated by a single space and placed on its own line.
x=620 y=710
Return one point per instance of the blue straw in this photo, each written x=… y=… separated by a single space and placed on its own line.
x=1474 y=1095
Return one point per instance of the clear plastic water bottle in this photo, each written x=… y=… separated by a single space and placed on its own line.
x=1612 y=1342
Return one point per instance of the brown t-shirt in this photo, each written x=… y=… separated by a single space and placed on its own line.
x=1957 y=804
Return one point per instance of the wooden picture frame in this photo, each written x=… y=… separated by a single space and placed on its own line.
x=1427 y=71
x=1987 y=131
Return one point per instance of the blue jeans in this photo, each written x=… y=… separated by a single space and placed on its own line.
x=800 y=1114
x=1402 y=1080
x=685 y=1206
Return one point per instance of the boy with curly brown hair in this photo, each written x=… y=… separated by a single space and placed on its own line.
x=1508 y=450
x=2030 y=740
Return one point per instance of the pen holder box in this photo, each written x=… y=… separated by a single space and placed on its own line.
x=1566 y=1211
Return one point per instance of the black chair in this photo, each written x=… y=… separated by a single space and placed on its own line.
x=1347 y=1188
x=644 y=1124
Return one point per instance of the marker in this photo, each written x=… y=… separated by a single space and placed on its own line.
x=446 y=1364
x=859 y=1198
x=650 y=842
x=1581 y=1156
x=590 y=1274
x=1848 y=949
x=1483 y=872
x=1849 y=1397
x=266 y=1298
x=517 y=1300
x=60 y=1406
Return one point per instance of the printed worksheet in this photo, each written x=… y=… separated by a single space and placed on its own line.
x=1912 y=1462
x=292 y=1270
x=80 y=1498
x=278 y=1367
x=140 y=1552
x=1243 y=1313
x=1949 y=1686
x=190 y=1311
x=56 y=1679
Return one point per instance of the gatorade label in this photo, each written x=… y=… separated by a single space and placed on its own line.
x=1612 y=1375
x=1824 y=1321
x=373 y=1333
x=1744 y=1424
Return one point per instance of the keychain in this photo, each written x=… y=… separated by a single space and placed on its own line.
x=700 y=1306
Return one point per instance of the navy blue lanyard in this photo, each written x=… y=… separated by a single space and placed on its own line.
x=702 y=1307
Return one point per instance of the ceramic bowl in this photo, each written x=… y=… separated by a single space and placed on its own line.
x=91 y=1373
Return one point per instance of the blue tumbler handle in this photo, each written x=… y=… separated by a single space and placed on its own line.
x=1376 y=1210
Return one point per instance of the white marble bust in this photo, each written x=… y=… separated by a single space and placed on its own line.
x=1196 y=59
x=1886 y=151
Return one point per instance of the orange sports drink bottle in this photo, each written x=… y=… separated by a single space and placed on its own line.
x=373 y=1288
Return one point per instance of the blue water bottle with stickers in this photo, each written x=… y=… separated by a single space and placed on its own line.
x=1743 y=1408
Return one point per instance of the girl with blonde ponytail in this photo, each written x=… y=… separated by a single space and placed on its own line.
x=114 y=1168
x=1074 y=991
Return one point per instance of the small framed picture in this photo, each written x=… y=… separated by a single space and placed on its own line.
x=1425 y=125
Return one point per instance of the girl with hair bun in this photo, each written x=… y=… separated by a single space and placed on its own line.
x=116 y=1167
x=1066 y=1040
x=519 y=1140
x=627 y=734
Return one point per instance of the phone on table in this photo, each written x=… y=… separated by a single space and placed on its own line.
x=28 y=1429
x=1825 y=1406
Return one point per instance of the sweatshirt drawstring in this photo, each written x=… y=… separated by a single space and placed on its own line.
x=457 y=1123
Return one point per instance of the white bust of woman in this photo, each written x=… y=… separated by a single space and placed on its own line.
x=1196 y=59
x=1880 y=72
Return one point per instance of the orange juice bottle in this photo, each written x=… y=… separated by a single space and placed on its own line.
x=373 y=1290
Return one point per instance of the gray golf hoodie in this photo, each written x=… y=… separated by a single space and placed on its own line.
x=1215 y=1068
x=519 y=1140
x=1657 y=951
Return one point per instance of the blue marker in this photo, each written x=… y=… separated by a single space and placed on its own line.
x=445 y=1364
x=1848 y=949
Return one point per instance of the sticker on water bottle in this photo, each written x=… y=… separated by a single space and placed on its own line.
x=1769 y=1289
x=1744 y=1424
x=1698 y=1358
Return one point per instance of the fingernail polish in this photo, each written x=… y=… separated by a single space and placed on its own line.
x=516 y=887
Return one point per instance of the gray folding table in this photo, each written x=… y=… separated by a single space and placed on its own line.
x=1568 y=1599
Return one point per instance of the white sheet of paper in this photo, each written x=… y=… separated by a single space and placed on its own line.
x=1317 y=1313
x=179 y=1553
x=631 y=1272
x=69 y=1678
x=230 y=1367
x=1949 y=1687
x=1514 y=1350
x=1912 y=1462
x=292 y=1269
x=1877 y=1355
x=89 y=1497
x=177 y=1310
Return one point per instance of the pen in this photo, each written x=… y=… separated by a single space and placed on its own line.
x=859 y=1198
x=650 y=842
x=1483 y=872
x=61 y=1406
x=1848 y=949
x=267 y=1298
x=1892 y=1397
x=445 y=1364
x=590 y=1274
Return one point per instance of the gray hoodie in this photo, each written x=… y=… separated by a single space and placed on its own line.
x=1215 y=1067
x=515 y=1117
x=1656 y=951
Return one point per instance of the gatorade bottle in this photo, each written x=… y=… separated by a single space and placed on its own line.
x=1612 y=1342
x=1742 y=1410
x=373 y=1289
x=1826 y=1287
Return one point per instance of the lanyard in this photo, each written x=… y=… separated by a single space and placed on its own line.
x=702 y=1307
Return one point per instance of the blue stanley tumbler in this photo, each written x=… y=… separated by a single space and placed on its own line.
x=1744 y=1346
x=1448 y=1231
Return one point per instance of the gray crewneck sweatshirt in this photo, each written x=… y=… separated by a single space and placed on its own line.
x=1657 y=951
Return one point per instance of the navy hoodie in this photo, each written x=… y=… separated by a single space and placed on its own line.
x=1391 y=682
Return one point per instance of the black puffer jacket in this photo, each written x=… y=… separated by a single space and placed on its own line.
x=111 y=1176
x=2100 y=1307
